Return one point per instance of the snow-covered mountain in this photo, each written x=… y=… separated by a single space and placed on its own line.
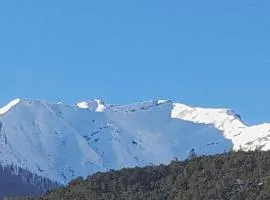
x=62 y=142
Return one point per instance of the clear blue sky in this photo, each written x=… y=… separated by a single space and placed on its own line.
x=205 y=53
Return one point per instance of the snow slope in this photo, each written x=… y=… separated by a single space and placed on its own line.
x=242 y=136
x=62 y=142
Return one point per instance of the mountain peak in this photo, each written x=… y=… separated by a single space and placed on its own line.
x=61 y=142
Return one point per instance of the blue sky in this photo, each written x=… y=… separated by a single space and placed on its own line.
x=204 y=53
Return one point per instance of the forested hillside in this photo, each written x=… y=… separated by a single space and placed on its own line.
x=17 y=181
x=228 y=176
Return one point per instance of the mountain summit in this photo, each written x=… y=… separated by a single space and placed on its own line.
x=61 y=142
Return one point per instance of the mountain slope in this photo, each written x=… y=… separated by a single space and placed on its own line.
x=61 y=142
x=242 y=136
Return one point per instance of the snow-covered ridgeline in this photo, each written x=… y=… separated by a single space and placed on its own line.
x=61 y=142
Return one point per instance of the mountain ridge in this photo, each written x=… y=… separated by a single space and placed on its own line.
x=62 y=142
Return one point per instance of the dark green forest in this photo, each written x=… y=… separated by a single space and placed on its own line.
x=228 y=176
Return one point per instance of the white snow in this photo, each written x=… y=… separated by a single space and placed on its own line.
x=83 y=105
x=100 y=105
x=96 y=105
x=9 y=106
x=243 y=137
x=163 y=101
x=62 y=142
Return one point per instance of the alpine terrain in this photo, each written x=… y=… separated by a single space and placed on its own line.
x=61 y=142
